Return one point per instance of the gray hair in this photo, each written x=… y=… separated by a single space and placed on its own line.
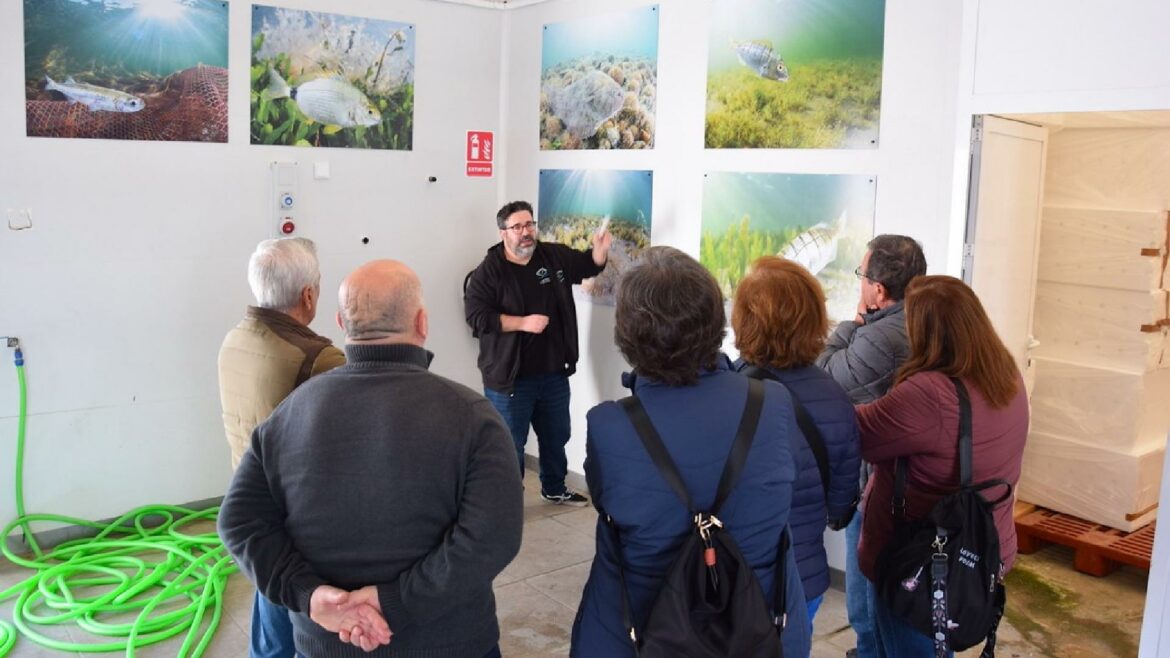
x=280 y=269
x=893 y=261
x=376 y=313
x=669 y=321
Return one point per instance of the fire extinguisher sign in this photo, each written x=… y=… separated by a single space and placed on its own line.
x=480 y=152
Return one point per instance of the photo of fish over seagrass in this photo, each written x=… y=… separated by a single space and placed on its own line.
x=330 y=80
x=795 y=73
x=574 y=204
x=126 y=69
x=821 y=221
x=599 y=81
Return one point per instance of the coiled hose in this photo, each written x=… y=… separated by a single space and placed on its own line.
x=139 y=581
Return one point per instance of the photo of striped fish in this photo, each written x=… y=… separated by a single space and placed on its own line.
x=794 y=74
x=821 y=221
x=330 y=80
x=816 y=247
x=762 y=58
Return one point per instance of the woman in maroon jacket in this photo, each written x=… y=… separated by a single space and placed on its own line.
x=950 y=336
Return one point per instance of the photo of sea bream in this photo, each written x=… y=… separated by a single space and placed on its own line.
x=794 y=73
x=126 y=69
x=330 y=80
x=574 y=204
x=599 y=82
x=821 y=221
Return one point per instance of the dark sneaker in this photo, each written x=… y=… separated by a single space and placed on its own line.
x=852 y=653
x=570 y=497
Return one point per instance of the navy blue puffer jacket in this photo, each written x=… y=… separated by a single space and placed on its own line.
x=697 y=424
x=833 y=414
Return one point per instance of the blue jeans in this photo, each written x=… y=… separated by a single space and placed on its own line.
x=272 y=631
x=857 y=593
x=896 y=638
x=542 y=402
x=813 y=606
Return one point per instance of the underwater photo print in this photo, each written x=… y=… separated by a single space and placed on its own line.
x=126 y=69
x=795 y=73
x=821 y=221
x=323 y=79
x=599 y=81
x=575 y=203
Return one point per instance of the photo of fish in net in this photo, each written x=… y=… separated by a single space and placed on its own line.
x=599 y=81
x=575 y=204
x=821 y=221
x=330 y=80
x=130 y=69
x=795 y=73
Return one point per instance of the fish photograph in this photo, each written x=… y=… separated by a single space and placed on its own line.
x=330 y=80
x=599 y=81
x=574 y=204
x=126 y=69
x=794 y=73
x=822 y=221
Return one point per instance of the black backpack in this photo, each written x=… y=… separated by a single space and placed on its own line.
x=942 y=574
x=710 y=604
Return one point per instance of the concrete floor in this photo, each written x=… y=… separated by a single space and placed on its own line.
x=1052 y=610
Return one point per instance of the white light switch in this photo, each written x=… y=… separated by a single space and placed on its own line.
x=321 y=170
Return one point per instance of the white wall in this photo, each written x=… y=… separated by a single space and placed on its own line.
x=135 y=267
x=913 y=162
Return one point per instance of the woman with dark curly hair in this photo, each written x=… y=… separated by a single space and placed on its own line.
x=950 y=337
x=669 y=326
x=780 y=324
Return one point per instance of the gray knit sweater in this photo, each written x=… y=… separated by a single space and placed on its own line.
x=381 y=473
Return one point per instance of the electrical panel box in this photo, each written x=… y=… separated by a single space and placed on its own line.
x=284 y=199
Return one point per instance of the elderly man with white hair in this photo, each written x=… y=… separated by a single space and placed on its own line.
x=380 y=500
x=267 y=355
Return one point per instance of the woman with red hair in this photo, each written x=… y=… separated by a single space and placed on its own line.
x=780 y=324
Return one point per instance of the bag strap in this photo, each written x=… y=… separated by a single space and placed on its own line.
x=965 y=441
x=965 y=454
x=812 y=435
x=735 y=460
x=627 y=616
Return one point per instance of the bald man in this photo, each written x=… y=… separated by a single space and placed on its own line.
x=379 y=501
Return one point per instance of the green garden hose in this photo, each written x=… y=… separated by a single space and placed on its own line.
x=139 y=581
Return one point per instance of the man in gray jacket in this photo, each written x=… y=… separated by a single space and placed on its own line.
x=379 y=501
x=863 y=356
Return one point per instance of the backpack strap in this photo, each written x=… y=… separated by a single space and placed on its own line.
x=735 y=460
x=812 y=434
x=965 y=442
x=965 y=454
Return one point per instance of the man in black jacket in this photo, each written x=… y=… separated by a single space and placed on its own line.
x=519 y=303
x=380 y=500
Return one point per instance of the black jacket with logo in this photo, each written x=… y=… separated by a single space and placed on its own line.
x=493 y=290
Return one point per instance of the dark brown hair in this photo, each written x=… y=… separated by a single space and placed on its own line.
x=779 y=315
x=669 y=317
x=950 y=333
x=510 y=209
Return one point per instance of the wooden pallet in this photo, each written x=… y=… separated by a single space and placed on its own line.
x=1098 y=550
